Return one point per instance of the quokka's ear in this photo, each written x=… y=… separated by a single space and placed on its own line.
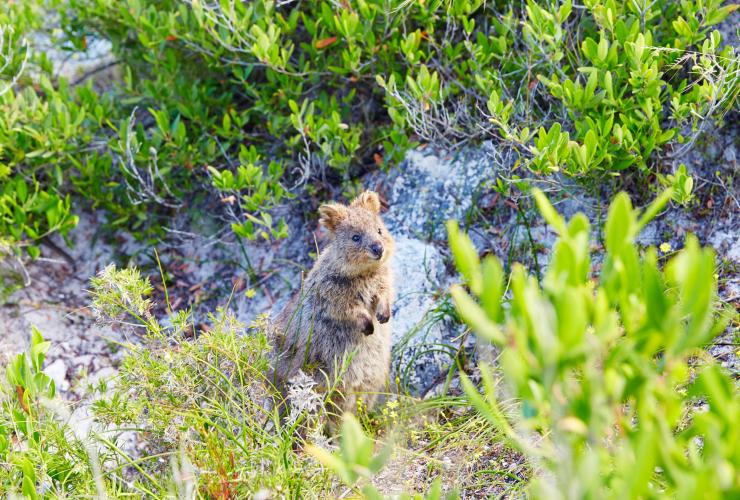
x=331 y=215
x=368 y=200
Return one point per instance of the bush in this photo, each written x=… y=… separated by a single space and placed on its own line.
x=616 y=398
x=637 y=83
x=204 y=391
x=303 y=77
x=196 y=403
x=39 y=454
x=40 y=131
x=257 y=100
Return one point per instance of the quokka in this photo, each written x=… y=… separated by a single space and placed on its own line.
x=343 y=310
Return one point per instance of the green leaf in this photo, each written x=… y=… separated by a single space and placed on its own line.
x=29 y=488
x=466 y=256
x=619 y=223
x=493 y=287
x=548 y=212
x=473 y=315
x=654 y=208
x=33 y=251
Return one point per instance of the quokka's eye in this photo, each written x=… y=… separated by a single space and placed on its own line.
x=380 y=231
x=356 y=238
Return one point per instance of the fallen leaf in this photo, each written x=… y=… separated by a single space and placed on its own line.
x=324 y=43
x=176 y=303
x=511 y=204
x=20 y=392
x=238 y=283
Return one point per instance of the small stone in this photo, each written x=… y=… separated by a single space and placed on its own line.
x=83 y=360
x=107 y=374
x=729 y=154
x=57 y=371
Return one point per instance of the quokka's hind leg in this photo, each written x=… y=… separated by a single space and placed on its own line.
x=368 y=399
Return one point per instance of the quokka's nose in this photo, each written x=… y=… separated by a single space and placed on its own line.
x=377 y=250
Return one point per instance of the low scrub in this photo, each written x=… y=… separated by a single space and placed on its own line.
x=196 y=404
x=617 y=398
x=601 y=384
x=192 y=413
x=260 y=100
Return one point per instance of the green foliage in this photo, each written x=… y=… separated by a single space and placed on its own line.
x=357 y=461
x=39 y=455
x=243 y=103
x=25 y=372
x=118 y=293
x=616 y=398
x=41 y=131
x=253 y=100
x=199 y=400
x=636 y=76
x=199 y=405
x=204 y=391
x=208 y=397
x=356 y=457
x=252 y=189
x=680 y=183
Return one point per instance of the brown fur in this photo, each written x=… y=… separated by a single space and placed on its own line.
x=344 y=306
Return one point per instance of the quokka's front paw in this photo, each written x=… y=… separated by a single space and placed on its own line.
x=366 y=325
x=383 y=313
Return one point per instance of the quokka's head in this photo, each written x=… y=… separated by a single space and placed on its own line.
x=360 y=239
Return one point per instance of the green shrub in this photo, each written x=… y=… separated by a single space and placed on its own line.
x=325 y=88
x=43 y=134
x=40 y=130
x=637 y=85
x=197 y=402
x=616 y=396
x=252 y=101
x=39 y=454
x=204 y=391
x=636 y=76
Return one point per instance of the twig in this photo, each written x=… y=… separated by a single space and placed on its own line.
x=6 y=56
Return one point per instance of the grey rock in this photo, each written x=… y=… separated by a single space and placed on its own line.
x=83 y=360
x=418 y=268
x=106 y=374
x=428 y=189
x=728 y=244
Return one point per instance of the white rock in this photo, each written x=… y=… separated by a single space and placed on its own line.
x=419 y=272
x=83 y=360
x=417 y=268
x=58 y=373
x=726 y=243
x=108 y=374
